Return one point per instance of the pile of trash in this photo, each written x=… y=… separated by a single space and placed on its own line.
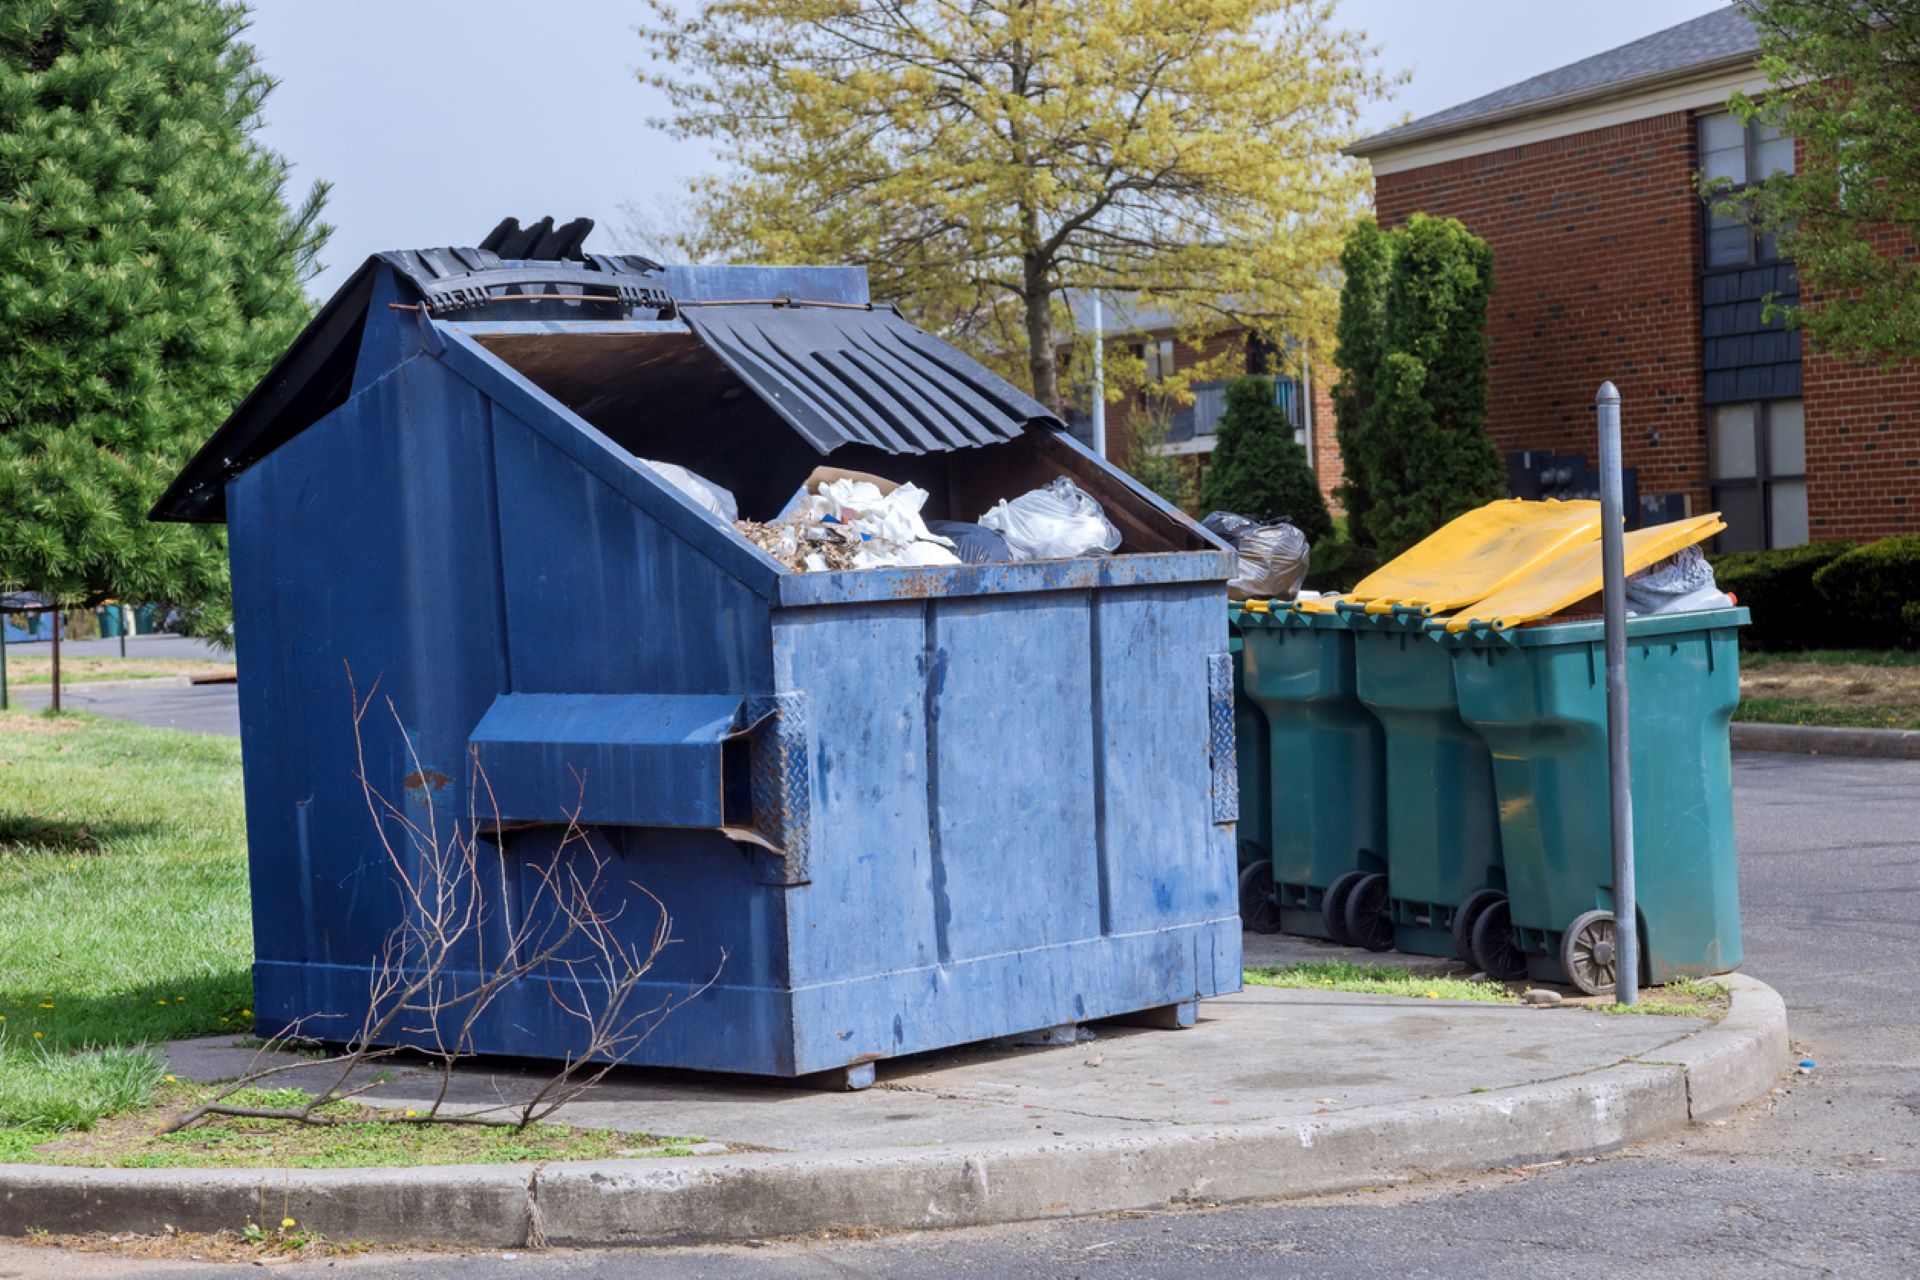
x=842 y=520
x=1270 y=560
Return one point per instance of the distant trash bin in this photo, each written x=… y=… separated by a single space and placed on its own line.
x=890 y=810
x=1253 y=752
x=1537 y=695
x=1326 y=769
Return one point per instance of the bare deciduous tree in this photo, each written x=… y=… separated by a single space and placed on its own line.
x=434 y=979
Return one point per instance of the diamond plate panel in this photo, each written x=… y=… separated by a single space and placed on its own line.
x=1220 y=741
x=781 y=779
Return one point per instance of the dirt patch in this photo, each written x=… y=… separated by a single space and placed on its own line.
x=263 y=1244
x=1854 y=687
x=29 y=724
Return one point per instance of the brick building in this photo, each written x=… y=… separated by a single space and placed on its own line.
x=1609 y=266
x=1149 y=336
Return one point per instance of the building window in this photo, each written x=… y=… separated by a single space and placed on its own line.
x=1158 y=357
x=1744 y=153
x=1757 y=458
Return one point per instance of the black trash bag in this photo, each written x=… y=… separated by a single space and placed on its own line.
x=973 y=543
x=1270 y=560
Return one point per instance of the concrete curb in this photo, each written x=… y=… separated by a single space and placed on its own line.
x=1824 y=740
x=1696 y=1077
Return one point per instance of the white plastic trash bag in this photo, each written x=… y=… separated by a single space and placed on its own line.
x=1059 y=522
x=1681 y=583
x=699 y=488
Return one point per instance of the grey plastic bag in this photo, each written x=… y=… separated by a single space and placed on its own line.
x=1270 y=560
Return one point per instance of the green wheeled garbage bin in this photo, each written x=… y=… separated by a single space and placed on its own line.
x=1325 y=776
x=1443 y=822
x=1537 y=695
x=1259 y=913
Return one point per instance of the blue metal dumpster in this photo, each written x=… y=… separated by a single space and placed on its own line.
x=888 y=810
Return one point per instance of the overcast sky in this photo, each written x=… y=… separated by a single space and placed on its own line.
x=434 y=119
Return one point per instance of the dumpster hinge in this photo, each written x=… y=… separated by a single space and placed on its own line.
x=1220 y=743
x=781 y=780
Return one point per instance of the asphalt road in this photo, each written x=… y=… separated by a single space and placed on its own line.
x=1823 y=1179
x=201 y=708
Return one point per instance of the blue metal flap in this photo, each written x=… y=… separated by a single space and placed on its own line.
x=848 y=375
x=630 y=759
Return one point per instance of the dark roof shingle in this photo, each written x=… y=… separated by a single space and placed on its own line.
x=1721 y=36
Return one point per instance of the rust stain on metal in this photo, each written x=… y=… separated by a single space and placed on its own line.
x=425 y=780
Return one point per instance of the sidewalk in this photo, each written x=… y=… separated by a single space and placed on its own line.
x=1274 y=1093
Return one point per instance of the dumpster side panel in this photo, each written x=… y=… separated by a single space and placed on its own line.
x=601 y=597
x=1024 y=781
x=370 y=541
x=1163 y=857
x=367 y=546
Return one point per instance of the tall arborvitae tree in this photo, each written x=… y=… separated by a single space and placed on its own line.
x=1258 y=469
x=150 y=272
x=1413 y=419
x=1364 y=265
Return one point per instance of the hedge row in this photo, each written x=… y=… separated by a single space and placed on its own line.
x=1828 y=595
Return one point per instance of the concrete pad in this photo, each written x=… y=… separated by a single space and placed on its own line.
x=1272 y=1093
x=1266 y=1054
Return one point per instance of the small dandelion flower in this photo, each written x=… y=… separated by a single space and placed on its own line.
x=170 y=1079
x=159 y=1001
x=246 y=1013
x=46 y=1006
x=286 y=1222
x=412 y=1112
x=36 y=1035
x=1433 y=995
x=223 y=1019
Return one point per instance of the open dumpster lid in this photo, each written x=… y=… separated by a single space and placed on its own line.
x=1576 y=573
x=837 y=371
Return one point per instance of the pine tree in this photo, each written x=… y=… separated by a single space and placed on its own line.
x=150 y=272
x=1258 y=469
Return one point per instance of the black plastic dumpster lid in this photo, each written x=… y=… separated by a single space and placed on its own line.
x=856 y=375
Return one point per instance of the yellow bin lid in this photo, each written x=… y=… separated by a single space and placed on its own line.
x=1479 y=553
x=1575 y=574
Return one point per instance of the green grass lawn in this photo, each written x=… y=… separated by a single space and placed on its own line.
x=123 y=909
x=1378 y=980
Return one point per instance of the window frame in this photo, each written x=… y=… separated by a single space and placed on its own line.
x=1748 y=147
x=1764 y=477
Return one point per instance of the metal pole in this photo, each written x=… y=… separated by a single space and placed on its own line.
x=1099 y=380
x=3 y=659
x=120 y=611
x=55 y=704
x=1613 y=578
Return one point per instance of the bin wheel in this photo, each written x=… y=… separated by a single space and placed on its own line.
x=1588 y=953
x=1333 y=906
x=1465 y=917
x=1259 y=912
x=1368 y=923
x=1493 y=948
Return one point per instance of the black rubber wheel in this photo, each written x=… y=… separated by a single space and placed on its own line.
x=1463 y=920
x=1259 y=910
x=1493 y=948
x=1333 y=906
x=1368 y=923
x=1588 y=954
